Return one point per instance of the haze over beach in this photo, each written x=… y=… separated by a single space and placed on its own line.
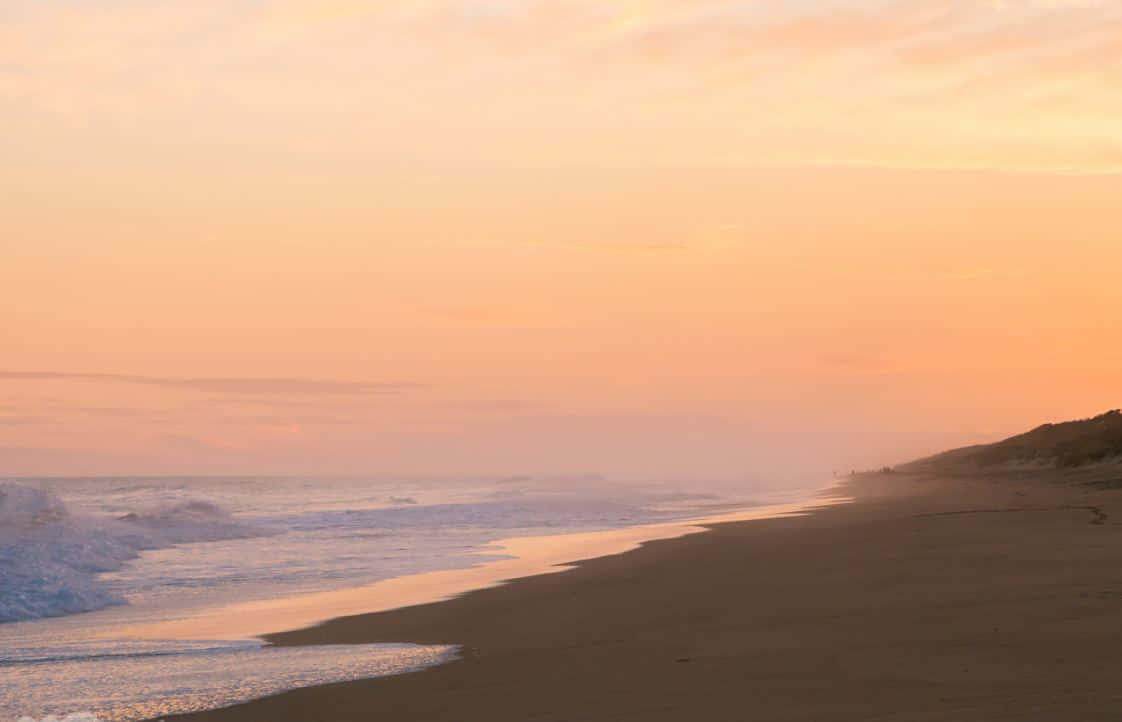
x=324 y=321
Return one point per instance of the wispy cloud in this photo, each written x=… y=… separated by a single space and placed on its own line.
x=499 y=406
x=278 y=386
x=638 y=246
x=981 y=273
x=11 y=420
x=878 y=81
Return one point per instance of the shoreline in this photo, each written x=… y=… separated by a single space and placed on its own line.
x=885 y=606
x=527 y=556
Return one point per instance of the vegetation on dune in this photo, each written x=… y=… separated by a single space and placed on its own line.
x=1064 y=445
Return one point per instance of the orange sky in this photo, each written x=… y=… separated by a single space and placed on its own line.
x=709 y=238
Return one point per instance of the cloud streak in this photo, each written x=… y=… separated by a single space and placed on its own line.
x=275 y=386
x=875 y=81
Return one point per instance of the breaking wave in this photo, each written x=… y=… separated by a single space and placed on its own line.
x=50 y=558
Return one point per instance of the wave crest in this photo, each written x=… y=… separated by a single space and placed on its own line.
x=27 y=507
x=50 y=559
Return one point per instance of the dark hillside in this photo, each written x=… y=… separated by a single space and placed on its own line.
x=1065 y=445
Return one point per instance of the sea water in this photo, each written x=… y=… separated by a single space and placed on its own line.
x=83 y=559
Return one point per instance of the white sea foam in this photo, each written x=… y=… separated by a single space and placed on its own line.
x=131 y=687
x=50 y=558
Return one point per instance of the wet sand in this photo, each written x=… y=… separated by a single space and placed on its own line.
x=987 y=598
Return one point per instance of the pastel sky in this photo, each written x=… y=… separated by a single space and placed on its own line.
x=656 y=237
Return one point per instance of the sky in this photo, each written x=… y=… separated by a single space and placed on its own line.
x=660 y=238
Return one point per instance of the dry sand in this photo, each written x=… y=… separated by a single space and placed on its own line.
x=989 y=598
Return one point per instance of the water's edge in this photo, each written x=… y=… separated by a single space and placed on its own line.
x=533 y=558
x=249 y=629
x=528 y=556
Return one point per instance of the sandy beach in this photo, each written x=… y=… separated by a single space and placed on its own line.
x=988 y=597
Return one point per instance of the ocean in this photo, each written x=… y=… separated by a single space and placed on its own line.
x=86 y=564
